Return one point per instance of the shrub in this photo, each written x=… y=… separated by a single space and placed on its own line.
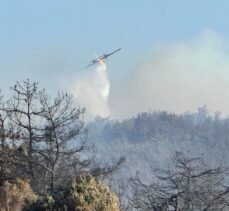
x=88 y=194
x=15 y=195
x=43 y=203
x=84 y=193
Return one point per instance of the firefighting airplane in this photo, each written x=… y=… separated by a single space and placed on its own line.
x=101 y=59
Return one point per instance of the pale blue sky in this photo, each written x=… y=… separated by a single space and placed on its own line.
x=53 y=38
x=97 y=23
x=98 y=26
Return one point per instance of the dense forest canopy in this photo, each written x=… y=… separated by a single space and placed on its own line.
x=150 y=140
x=152 y=161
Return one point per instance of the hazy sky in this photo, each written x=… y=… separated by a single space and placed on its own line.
x=49 y=41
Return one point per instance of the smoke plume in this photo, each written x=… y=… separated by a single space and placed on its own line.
x=178 y=77
x=92 y=92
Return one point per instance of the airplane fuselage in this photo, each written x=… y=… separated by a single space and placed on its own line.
x=100 y=61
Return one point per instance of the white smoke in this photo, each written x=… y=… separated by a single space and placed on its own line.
x=178 y=77
x=92 y=91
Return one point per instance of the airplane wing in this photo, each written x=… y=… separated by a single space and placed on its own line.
x=109 y=54
x=92 y=63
